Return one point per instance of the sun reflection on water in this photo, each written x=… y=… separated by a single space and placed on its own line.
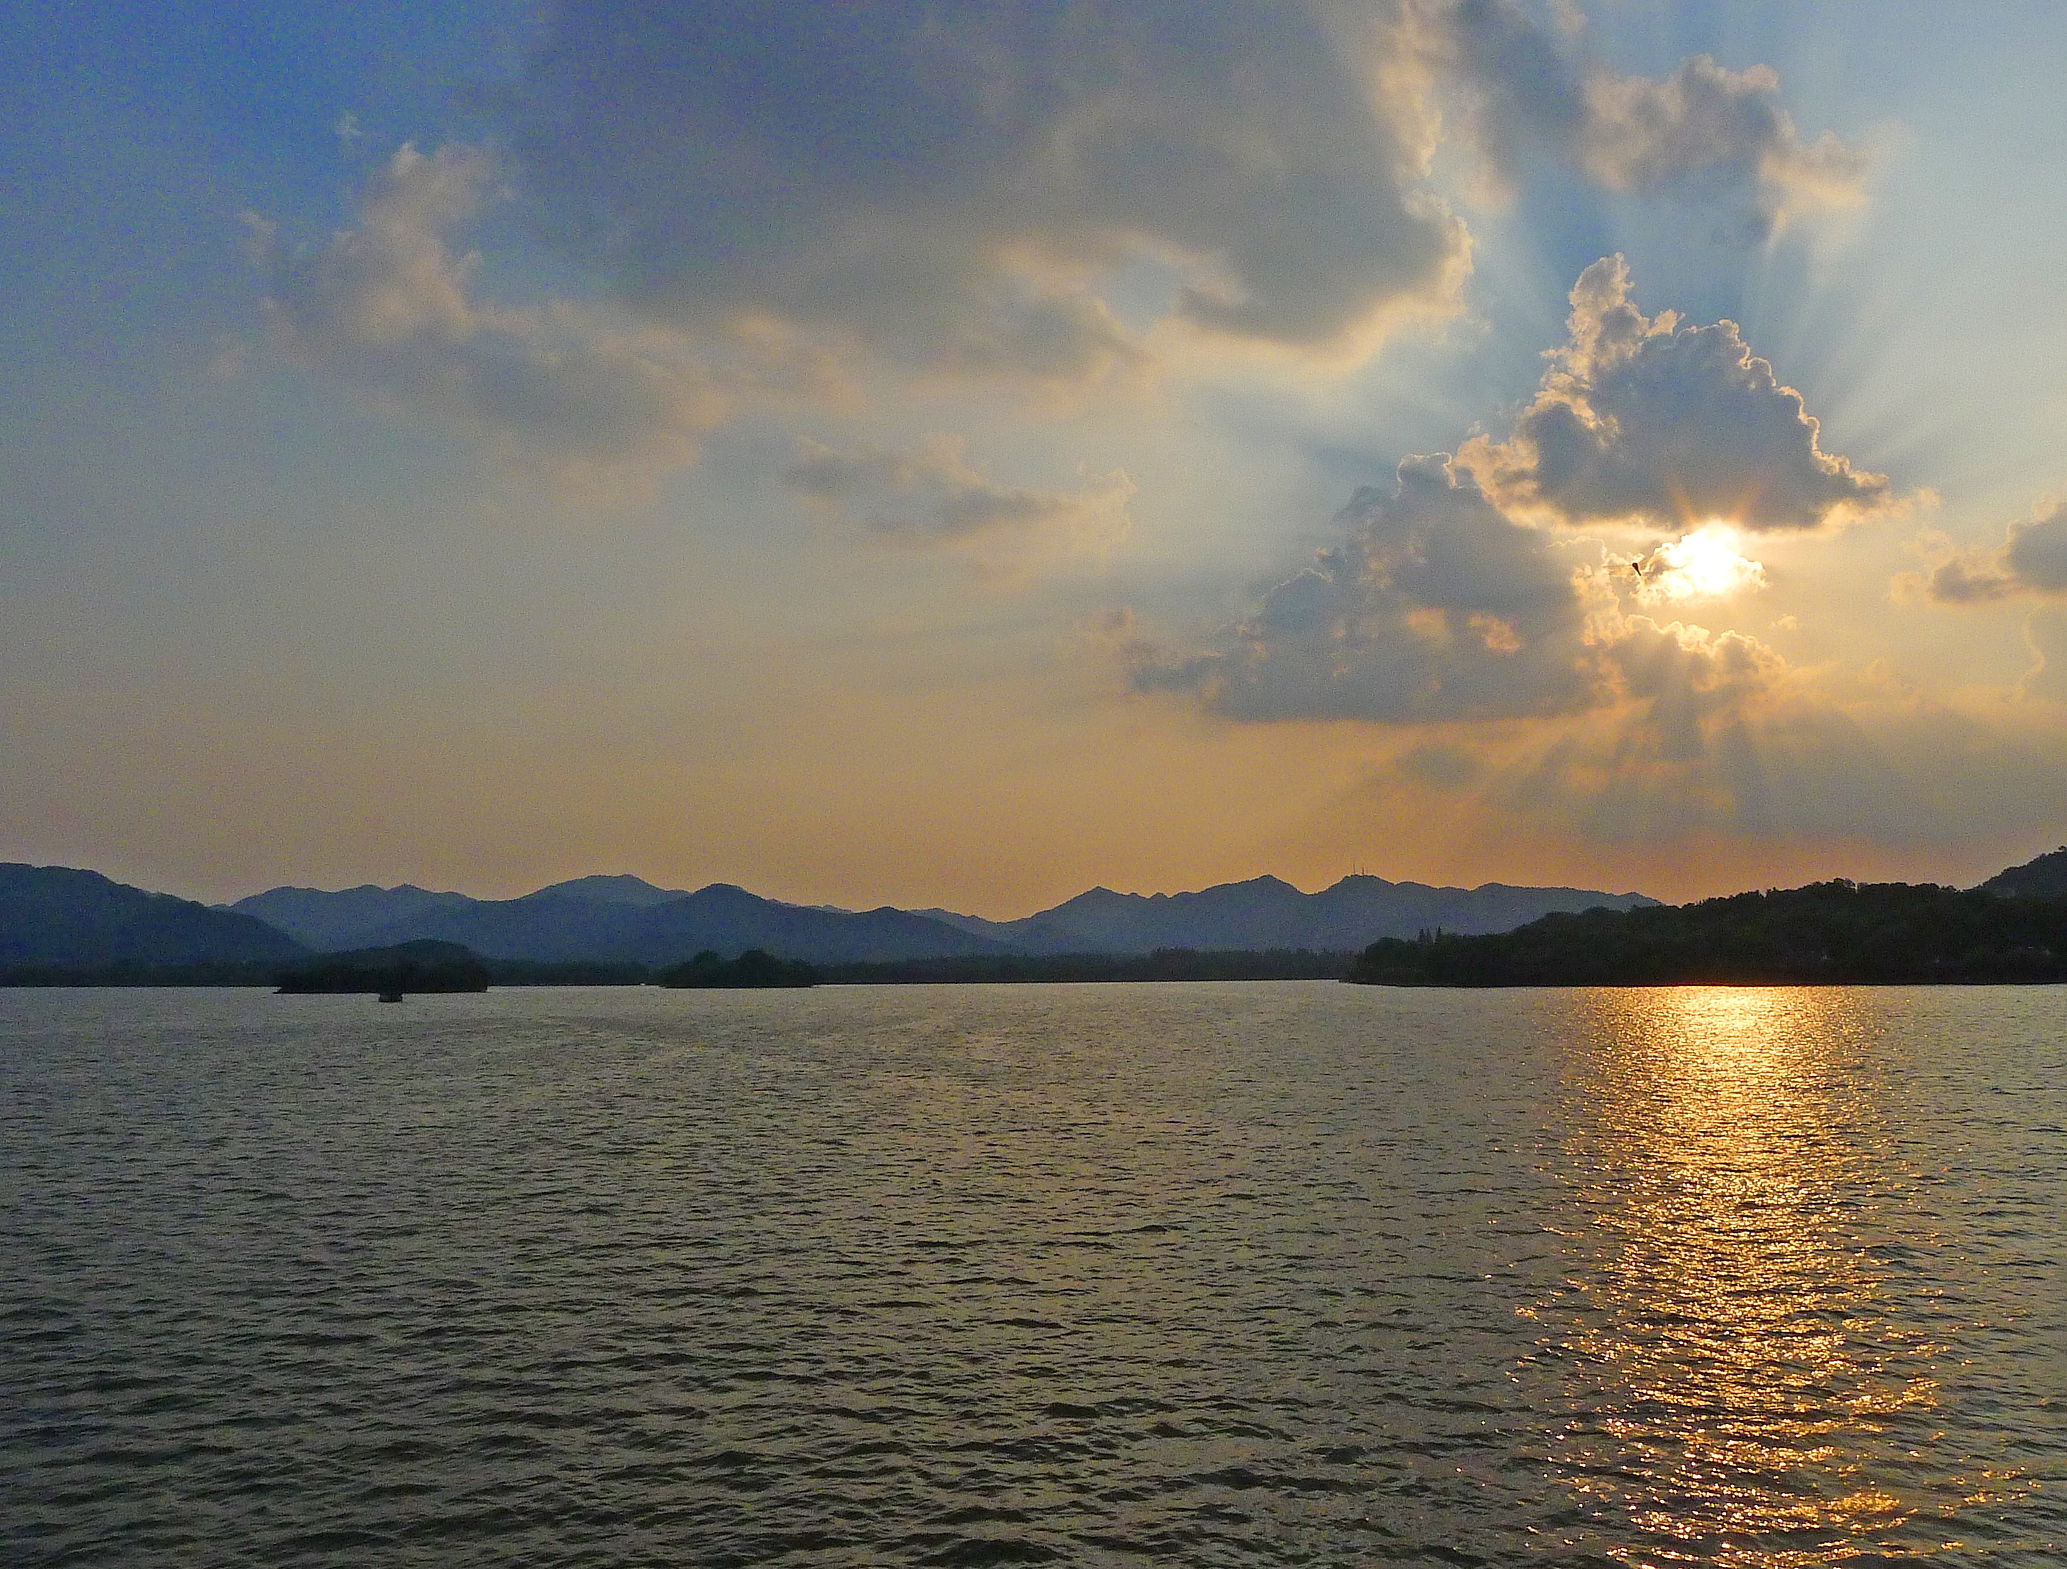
x=1740 y=1392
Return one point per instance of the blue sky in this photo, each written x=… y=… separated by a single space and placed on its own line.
x=952 y=454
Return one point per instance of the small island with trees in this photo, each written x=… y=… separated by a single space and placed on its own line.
x=753 y=969
x=422 y=966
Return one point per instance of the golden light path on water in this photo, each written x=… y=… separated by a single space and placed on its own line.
x=1738 y=1384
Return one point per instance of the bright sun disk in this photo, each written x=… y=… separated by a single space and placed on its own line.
x=1704 y=564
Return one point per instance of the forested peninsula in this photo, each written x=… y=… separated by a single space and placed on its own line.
x=1834 y=933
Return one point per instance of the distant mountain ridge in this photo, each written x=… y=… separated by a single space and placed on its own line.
x=626 y=918
x=56 y=917
x=331 y=922
x=1267 y=912
x=610 y=917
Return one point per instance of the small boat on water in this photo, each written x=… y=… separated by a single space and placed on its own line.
x=390 y=996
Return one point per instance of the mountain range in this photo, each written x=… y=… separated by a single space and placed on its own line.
x=58 y=916
x=606 y=918
x=627 y=918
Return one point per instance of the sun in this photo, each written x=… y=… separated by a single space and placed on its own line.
x=1705 y=564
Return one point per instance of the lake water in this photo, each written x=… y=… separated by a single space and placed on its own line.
x=1277 y=1273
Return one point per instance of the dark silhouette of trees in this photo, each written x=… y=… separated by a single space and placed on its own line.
x=425 y=965
x=754 y=968
x=1834 y=932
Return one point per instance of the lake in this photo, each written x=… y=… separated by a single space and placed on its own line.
x=1215 y=1274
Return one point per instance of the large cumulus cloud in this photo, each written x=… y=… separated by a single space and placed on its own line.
x=947 y=181
x=957 y=182
x=1443 y=610
x=1460 y=596
x=1643 y=420
x=1531 y=671
x=1437 y=607
x=783 y=196
x=1509 y=669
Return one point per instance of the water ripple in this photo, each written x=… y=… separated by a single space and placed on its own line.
x=1218 y=1274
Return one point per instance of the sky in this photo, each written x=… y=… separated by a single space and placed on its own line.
x=957 y=454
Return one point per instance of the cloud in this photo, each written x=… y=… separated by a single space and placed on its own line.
x=1452 y=603
x=2031 y=560
x=2045 y=634
x=1453 y=599
x=1704 y=132
x=934 y=496
x=968 y=187
x=1780 y=759
x=1692 y=684
x=391 y=308
x=1641 y=420
x=784 y=199
x=1436 y=607
x=1440 y=766
x=951 y=184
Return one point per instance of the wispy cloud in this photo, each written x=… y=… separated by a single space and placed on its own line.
x=584 y=394
x=2031 y=560
x=934 y=497
x=1704 y=133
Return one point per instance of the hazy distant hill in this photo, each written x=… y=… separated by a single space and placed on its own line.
x=332 y=921
x=370 y=916
x=605 y=889
x=2042 y=878
x=615 y=918
x=56 y=916
x=732 y=920
x=622 y=917
x=1266 y=913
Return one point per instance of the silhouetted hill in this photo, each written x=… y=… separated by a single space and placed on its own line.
x=1827 y=933
x=1268 y=913
x=549 y=926
x=537 y=926
x=55 y=916
x=2042 y=878
x=331 y=921
x=605 y=889
x=616 y=918
x=1030 y=935
x=730 y=920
